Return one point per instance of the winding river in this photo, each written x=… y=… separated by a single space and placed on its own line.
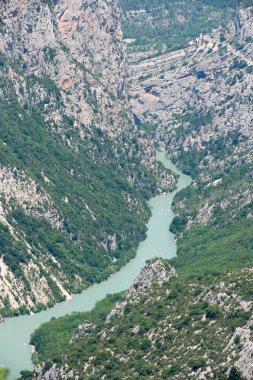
x=15 y=332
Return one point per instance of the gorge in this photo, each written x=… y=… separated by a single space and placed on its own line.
x=16 y=332
x=89 y=91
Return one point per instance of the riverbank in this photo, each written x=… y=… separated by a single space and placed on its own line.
x=16 y=332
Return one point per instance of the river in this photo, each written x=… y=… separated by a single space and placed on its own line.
x=15 y=332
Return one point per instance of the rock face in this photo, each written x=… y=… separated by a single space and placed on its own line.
x=243 y=359
x=54 y=373
x=83 y=330
x=78 y=45
x=199 y=100
x=155 y=271
x=242 y=28
x=65 y=132
x=213 y=75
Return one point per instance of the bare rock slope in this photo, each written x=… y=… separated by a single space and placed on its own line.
x=199 y=102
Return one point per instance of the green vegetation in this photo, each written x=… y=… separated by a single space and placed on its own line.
x=88 y=185
x=154 y=337
x=185 y=325
x=208 y=250
x=50 y=338
x=224 y=241
x=3 y=374
x=171 y=319
x=170 y=23
x=14 y=251
x=212 y=259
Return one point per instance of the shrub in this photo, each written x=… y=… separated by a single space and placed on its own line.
x=234 y=374
x=197 y=363
x=212 y=312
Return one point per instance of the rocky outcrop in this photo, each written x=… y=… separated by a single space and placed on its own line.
x=17 y=189
x=78 y=45
x=242 y=27
x=156 y=271
x=53 y=373
x=240 y=350
x=82 y=331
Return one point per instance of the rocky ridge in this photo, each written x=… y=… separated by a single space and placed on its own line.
x=154 y=272
x=199 y=101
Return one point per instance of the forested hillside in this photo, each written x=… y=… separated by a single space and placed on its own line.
x=73 y=187
x=194 y=321
x=151 y=332
x=161 y=24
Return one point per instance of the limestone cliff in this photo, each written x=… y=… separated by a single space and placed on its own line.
x=78 y=45
x=66 y=178
x=203 y=77
x=197 y=324
x=199 y=101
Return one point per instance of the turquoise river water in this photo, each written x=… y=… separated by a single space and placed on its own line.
x=15 y=332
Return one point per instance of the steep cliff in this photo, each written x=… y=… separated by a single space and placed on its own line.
x=78 y=45
x=195 y=323
x=73 y=191
x=199 y=101
x=70 y=172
